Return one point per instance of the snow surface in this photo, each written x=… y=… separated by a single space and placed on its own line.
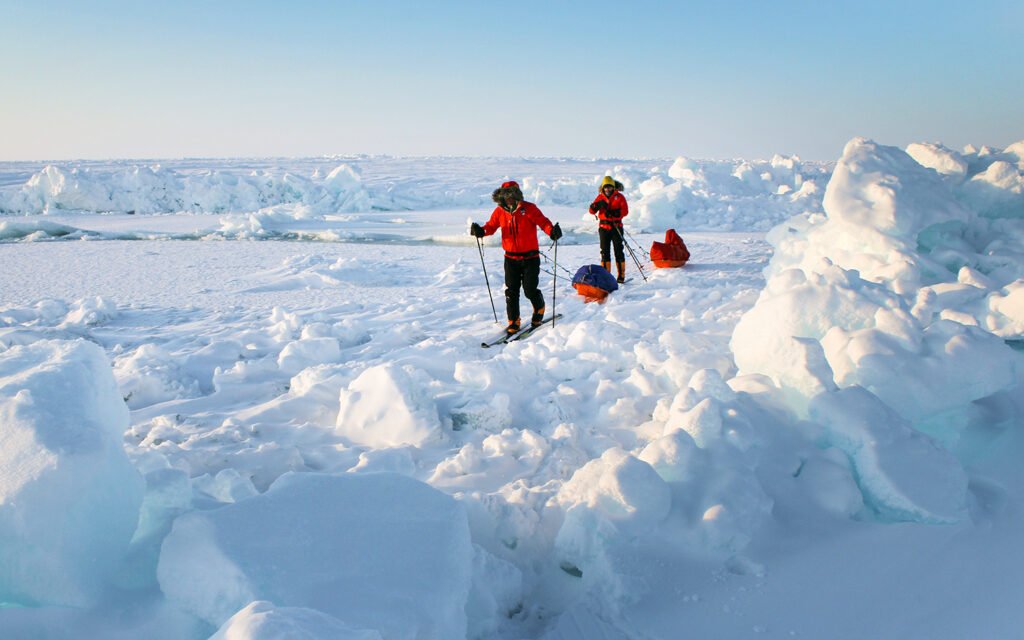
x=246 y=399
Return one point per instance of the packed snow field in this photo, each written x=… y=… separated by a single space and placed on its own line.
x=247 y=399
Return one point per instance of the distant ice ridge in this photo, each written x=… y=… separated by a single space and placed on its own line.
x=744 y=195
x=727 y=195
x=156 y=189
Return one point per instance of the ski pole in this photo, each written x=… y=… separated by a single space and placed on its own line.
x=486 y=279
x=547 y=258
x=554 y=288
x=631 y=253
x=555 y=275
x=633 y=238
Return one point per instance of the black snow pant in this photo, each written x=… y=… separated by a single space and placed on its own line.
x=611 y=236
x=522 y=274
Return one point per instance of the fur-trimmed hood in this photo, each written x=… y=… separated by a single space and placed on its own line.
x=510 y=188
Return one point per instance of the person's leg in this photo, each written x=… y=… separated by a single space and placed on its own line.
x=616 y=235
x=513 y=282
x=620 y=255
x=531 y=278
x=605 y=236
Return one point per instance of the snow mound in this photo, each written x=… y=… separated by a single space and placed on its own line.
x=922 y=377
x=621 y=488
x=854 y=298
x=69 y=497
x=388 y=406
x=866 y=305
x=935 y=156
x=1005 y=307
x=833 y=329
x=882 y=208
x=375 y=551
x=150 y=375
x=261 y=620
x=607 y=503
x=996 y=192
x=750 y=195
x=308 y=352
x=718 y=503
x=903 y=474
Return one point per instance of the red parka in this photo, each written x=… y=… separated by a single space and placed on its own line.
x=610 y=210
x=518 y=229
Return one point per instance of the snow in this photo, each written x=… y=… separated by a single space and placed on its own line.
x=261 y=620
x=69 y=496
x=389 y=406
x=390 y=554
x=257 y=407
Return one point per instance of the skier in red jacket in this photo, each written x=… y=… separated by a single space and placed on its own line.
x=518 y=221
x=610 y=207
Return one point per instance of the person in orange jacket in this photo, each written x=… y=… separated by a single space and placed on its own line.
x=610 y=207
x=518 y=221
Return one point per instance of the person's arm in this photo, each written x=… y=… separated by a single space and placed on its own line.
x=599 y=204
x=625 y=206
x=494 y=223
x=541 y=220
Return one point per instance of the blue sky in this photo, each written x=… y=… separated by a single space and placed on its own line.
x=114 y=79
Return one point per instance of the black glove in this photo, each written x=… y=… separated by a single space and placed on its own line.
x=476 y=230
x=600 y=205
x=556 y=232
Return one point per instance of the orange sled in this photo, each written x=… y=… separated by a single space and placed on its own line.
x=590 y=293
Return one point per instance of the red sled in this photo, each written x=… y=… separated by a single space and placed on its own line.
x=671 y=253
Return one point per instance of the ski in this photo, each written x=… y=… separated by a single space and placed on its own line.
x=525 y=333
x=519 y=335
x=502 y=339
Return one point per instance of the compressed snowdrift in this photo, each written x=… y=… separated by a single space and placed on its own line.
x=854 y=302
x=69 y=497
x=389 y=406
x=261 y=620
x=375 y=551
